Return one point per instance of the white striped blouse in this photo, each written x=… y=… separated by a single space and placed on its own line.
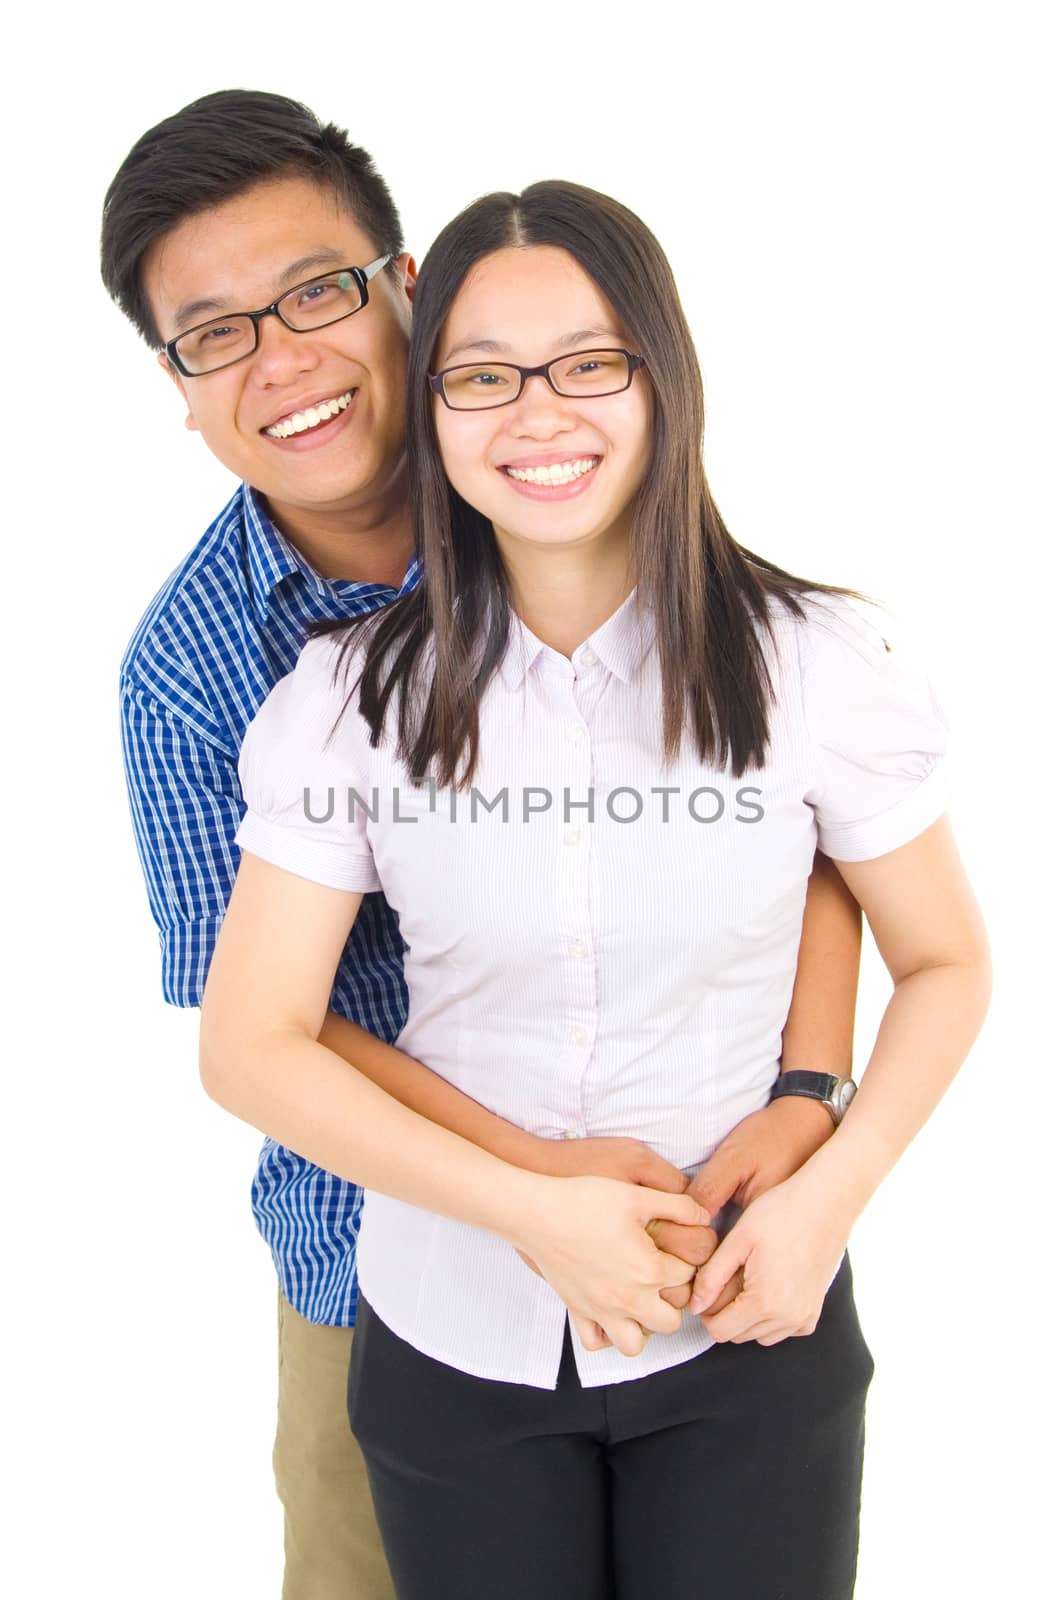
x=598 y=944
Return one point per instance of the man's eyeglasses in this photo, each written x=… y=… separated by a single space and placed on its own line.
x=480 y=385
x=209 y=346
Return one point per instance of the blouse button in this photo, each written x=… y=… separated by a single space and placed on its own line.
x=573 y=837
x=579 y=948
x=579 y=1034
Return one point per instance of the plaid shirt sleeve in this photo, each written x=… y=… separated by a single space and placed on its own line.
x=186 y=804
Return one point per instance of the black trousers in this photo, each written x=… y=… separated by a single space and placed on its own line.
x=736 y=1475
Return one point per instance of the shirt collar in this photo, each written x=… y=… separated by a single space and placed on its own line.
x=272 y=558
x=619 y=645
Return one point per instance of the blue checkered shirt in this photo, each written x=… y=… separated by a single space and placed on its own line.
x=226 y=626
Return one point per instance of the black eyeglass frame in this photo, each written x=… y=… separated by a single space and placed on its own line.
x=362 y=275
x=436 y=380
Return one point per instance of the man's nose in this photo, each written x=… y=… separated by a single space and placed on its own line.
x=282 y=353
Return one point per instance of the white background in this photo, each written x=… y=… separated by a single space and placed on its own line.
x=859 y=202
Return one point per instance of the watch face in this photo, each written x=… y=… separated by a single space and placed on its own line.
x=847 y=1091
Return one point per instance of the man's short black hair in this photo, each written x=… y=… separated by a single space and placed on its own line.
x=212 y=150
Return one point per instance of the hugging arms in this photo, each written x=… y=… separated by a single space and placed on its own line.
x=274 y=1055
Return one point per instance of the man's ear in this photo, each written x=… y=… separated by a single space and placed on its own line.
x=407 y=267
x=171 y=372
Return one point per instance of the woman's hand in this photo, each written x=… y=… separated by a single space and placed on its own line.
x=760 y=1152
x=627 y=1161
x=787 y=1246
x=633 y=1161
x=587 y=1237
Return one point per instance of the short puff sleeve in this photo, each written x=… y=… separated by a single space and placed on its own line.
x=877 y=734
x=298 y=784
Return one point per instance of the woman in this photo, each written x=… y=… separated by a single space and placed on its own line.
x=635 y=733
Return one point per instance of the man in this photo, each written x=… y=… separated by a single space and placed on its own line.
x=261 y=255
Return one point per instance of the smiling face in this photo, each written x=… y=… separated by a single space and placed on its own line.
x=547 y=470
x=315 y=421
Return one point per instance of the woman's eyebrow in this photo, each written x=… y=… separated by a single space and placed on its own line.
x=496 y=347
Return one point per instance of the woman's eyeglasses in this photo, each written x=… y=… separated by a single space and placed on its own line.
x=481 y=385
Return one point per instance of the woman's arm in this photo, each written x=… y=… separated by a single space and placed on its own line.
x=927 y=926
x=260 y=1056
x=930 y=933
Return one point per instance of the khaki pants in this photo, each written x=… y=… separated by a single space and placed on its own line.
x=331 y=1541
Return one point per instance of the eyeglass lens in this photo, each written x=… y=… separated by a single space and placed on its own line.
x=310 y=305
x=494 y=383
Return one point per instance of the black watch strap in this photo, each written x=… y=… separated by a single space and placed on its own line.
x=832 y=1091
x=818 y=1085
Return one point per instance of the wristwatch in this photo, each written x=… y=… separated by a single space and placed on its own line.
x=835 y=1093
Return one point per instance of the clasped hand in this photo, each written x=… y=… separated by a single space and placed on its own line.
x=766 y=1280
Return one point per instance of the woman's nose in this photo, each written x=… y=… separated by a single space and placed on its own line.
x=539 y=408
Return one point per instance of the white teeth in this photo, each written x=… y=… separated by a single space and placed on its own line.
x=312 y=417
x=555 y=473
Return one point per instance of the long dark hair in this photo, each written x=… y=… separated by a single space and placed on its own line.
x=710 y=597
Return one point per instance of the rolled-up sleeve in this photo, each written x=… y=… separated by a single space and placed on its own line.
x=304 y=778
x=877 y=735
x=185 y=804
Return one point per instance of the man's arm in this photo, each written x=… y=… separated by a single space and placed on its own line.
x=819 y=1032
x=186 y=804
x=416 y=1086
x=769 y=1145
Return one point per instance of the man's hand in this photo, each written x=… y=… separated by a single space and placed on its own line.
x=625 y=1160
x=692 y=1245
x=760 y=1152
